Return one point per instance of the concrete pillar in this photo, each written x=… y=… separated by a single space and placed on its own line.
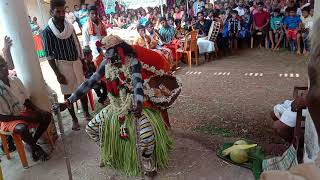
x=14 y=20
x=316 y=9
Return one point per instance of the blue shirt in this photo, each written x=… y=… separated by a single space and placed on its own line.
x=167 y=34
x=85 y=16
x=292 y=22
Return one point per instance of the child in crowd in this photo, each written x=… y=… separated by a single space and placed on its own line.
x=276 y=33
x=180 y=32
x=234 y=27
x=292 y=25
x=246 y=25
x=261 y=21
x=307 y=23
x=225 y=35
x=171 y=21
x=101 y=87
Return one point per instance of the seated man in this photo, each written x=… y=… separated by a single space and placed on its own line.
x=166 y=32
x=284 y=116
x=17 y=112
x=276 y=33
x=292 y=26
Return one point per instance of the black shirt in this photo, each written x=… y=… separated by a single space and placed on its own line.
x=203 y=29
x=58 y=49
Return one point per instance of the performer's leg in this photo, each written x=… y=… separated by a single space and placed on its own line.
x=92 y=128
x=147 y=138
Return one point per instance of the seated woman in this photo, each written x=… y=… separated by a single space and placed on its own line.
x=203 y=26
x=114 y=126
x=146 y=41
x=143 y=39
x=180 y=30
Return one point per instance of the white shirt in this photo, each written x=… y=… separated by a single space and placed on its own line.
x=17 y=95
x=70 y=17
x=90 y=40
x=197 y=7
x=240 y=10
x=18 y=89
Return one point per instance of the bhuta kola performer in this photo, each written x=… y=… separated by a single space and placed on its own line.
x=137 y=88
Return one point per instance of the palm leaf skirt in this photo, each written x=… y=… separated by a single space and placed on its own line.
x=120 y=153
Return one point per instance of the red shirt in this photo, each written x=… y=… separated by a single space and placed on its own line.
x=98 y=60
x=261 y=18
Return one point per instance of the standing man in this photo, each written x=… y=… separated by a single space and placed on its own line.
x=83 y=14
x=76 y=10
x=93 y=30
x=240 y=8
x=72 y=19
x=63 y=52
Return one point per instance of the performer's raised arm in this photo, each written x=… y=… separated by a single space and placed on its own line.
x=137 y=81
x=88 y=84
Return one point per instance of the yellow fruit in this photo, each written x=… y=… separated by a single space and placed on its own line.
x=235 y=147
x=239 y=156
x=240 y=142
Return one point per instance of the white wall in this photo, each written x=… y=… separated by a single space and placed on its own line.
x=317 y=9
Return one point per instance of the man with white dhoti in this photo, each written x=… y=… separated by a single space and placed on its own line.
x=93 y=30
x=64 y=55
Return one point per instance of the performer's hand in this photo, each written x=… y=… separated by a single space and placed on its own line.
x=61 y=79
x=7 y=43
x=137 y=109
x=65 y=105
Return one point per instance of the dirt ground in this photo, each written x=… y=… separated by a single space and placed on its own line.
x=222 y=100
x=232 y=97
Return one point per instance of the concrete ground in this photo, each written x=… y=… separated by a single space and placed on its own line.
x=221 y=101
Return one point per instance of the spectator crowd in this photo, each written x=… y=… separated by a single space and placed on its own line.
x=272 y=24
